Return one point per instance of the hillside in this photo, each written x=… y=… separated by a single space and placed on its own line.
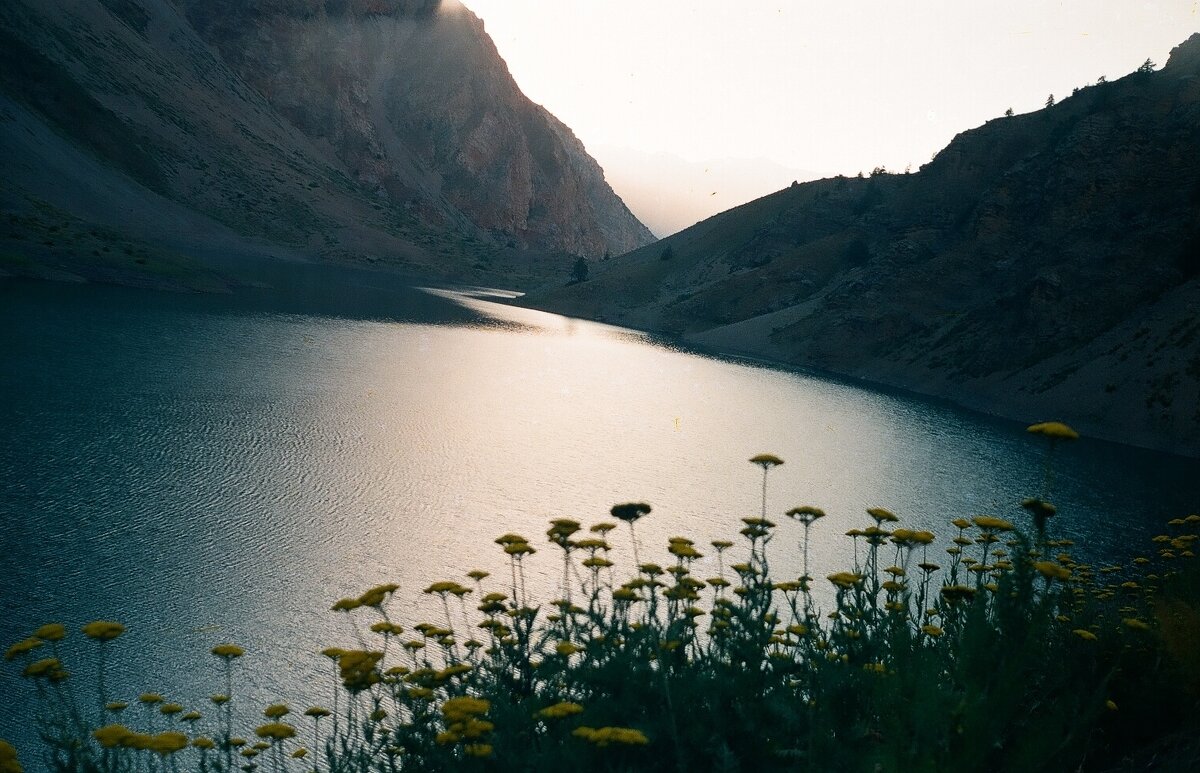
x=140 y=135
x=1041 y=265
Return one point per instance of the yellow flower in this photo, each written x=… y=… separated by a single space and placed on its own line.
x=44 y=668
x=881 y=514
x=1084 y=634
x=139 y=741
x=923 y=537
x=168 y=742
x=958 y=592
x=630 y=511
x=1051 y=570
x=387 y=628
x=346 y=605
x=150 y=698
x=317 y=712
x=377 y=595
x=806 y=514
x=203 y=742
x=111 y=735
x=23 y=646
x=464 y=707
x=357 y=668
x=276 y=710
x=478 y=750
x=228 y=651
x=1055 y=430
x=844 y=580
x=605 y=736
x=992 y=523
x=683 y=550
x=170 y=708
x=103 y=630
x=961 y=523
x=766 y=461
x=560 y=710
x=1136 y=624
x=115 y=706
x=8 y=758
x=1110 y=704
x=51 y=632
x=219 y=699
x=276 y=731
x=932 y=630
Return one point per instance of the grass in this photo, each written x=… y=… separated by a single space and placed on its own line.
x=1007 y=655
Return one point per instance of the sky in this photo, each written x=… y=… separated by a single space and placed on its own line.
x=668 y=88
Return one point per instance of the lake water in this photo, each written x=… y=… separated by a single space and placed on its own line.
x=223 y=468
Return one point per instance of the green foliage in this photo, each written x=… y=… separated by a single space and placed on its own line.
x=579 y=271
x=1012 y=656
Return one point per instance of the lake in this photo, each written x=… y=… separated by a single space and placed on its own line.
x=210 y=468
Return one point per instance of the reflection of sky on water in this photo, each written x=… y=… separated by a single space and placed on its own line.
x=208 y=471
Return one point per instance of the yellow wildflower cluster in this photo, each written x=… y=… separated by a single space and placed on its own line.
x=23 y=647
x=276 y=731
x=164 y=743
x=8 y=758
x=605 y=736
x=357 y=669
x=103 y=630
x=463 y=723
x=228 y=651
x=560 y=710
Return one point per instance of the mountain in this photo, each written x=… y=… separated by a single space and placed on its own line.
x=387 y=131
x=669 y=193
x=1040 y=266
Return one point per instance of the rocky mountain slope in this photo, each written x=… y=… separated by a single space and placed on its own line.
x=137 y=134
x=1041 y=266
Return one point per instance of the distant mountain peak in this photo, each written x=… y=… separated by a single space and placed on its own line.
x=1046 y=264
x=363 y=130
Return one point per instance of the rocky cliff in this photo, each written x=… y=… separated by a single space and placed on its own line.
x=381 y=130
x=1042 y=265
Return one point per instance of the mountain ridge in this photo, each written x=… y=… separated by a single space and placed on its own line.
x=164 y=121
x=1040 y=265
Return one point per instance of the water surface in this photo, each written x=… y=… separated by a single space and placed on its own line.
x=223 y=468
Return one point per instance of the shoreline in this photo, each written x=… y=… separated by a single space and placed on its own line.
x=977 y=404
x=267 y=279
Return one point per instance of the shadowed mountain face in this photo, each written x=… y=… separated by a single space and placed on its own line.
x=387 y=130
x=1044 y=265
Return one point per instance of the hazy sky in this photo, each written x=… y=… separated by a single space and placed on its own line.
x=819 y=86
